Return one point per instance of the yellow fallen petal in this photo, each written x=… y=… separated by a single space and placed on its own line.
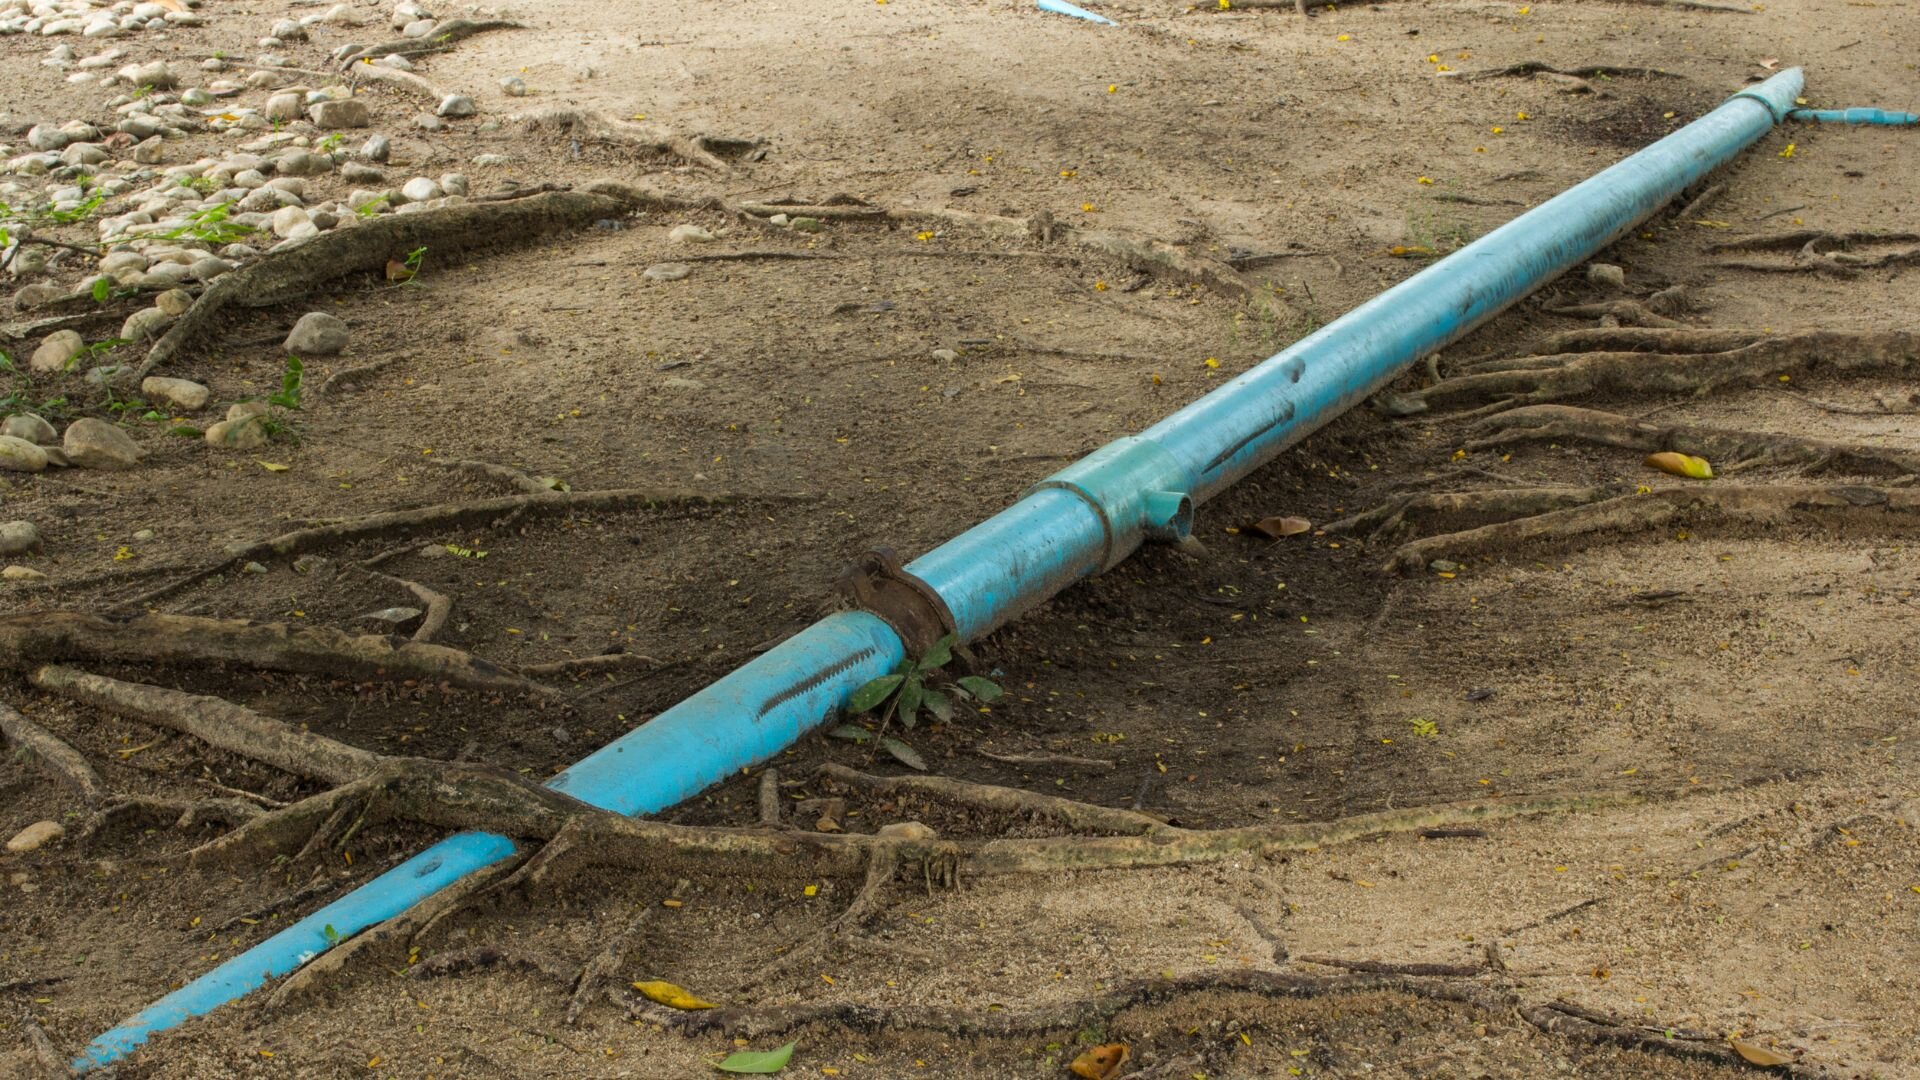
x=1687 y=465
x=671 y=996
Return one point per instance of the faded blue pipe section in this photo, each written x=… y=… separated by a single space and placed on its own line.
x=1855 y=116
x=1061 y=7
x=746 y=717
x=1078 y=522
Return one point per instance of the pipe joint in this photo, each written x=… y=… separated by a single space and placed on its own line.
x=1138 y=489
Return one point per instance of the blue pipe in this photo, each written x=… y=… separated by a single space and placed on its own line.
x=1061 y=7
x=1078 y=522
x=1856 y=116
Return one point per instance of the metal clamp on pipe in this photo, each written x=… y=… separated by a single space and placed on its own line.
x=1139 y=491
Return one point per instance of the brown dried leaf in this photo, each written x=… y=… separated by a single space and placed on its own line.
x=398 y=271
x=1759 y=1055
x=1279 y=528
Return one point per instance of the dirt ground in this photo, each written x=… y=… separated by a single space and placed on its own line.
x=886 y=383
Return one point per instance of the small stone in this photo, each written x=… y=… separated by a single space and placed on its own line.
x=945 y=356
x=781 y=220
x=35 y=836
x=30 y=427
x=150 y=151
x=59 y=349
x=143 y=534
x=209 y=267
x=666 y=271
x=429 y=122
x=253 y=568
x=18 y=536
x=1445 y=566
x=302 y=163
x=240 y=410
x=20 y=454
x=420 y=189
x=807 y=225
x=351 y=113
x=1607 y=274
x=245 y=433
x=317 y=334
x=36 y=295
x=174 y=302
x=377 y=148
x=288 y=218
x=418 y=28
x=690 y=234
x=394 y=61
x=906 y=830
x=96 y=444
x=355 y=173
x=183 y=394
x=22 y=573
x=289 y=30
x=145 y=323
x=675 y=382
x=513 y=86
x=456 y=105
x=453 y=183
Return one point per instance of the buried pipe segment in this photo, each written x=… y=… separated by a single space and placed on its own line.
x=1078 y=522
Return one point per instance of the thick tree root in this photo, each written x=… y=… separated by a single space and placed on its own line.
x=1466 y=509
x=506 y=474
x=291 y=274
x=1540 y=379
x=216 y=722
x=53 y=754
x=181 y=814
x=439 y=39
x=765 y=1021
x=702 y=150
x=1728 y=450
x=1002 y=800
x=1881 y=511
x=1817 y=252
x=28 y=640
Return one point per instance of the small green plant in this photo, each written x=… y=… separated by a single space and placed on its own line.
x=205 y=185
x=902 y=695
x=331 y=143
x=142 y=91
x=332 y=935
x=213 y=225
x=1424 y=728
x=288 y=396
x=413 y=262
x=102 y=290
x=95 y=351
x=372 y=207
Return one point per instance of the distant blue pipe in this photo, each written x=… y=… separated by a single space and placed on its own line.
x=1856 y=116
x=1061 y=7
x=1078 y=522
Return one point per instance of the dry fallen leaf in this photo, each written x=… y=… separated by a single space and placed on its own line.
x=398 y=271
x=1770 y=62
x=1276 y=528
x=1100 y=1062
x=1687 y=465
x=671 y=996
x=1759 y=1055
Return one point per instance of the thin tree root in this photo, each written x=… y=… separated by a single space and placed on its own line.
x=757 y=1021
x=1590 y=71
x=598 y=972
x=1737 y=449
x=439 y=39
x=579 y=124
x=47 y=1059
x=1544 y=379
x=1820 y=252
x=1375 y=967
x=491 y=958
x=340 y=380
x=291 y=274
x=1559 y=1018
x=1700 y=202
x=182 y=814
x=53 y=754
x=588 y=665
x=1069 y=760
x=30 y=639
x=883 y=863
x=405 y=80
x=1002 y=800
x=769 y=798
x=1463 y=509
x=216 y=722
x=1880 y=510
x=439 y=606
x=506 y=474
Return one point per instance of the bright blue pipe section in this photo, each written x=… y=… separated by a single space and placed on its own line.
x=746 y=717
x=1255 y=415
x=1075 y=523
x=1856 y=116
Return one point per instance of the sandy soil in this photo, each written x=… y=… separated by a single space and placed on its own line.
x=1756 y=683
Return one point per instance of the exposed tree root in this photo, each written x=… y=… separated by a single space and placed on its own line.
x=1633 y=339
x=764 y=1021
x=47 y=1059
x=179 y=813
x=435 y=516
x=598 y=973
x=883 y=862
x=589 y=665
x=702 y=150
x=1002 y=800
x=769 y=798
x=439 y=606
x=53 y=754
x=297 y=271
x=1876 y=509
x=406 y=80
x=827 y=212
x=216 y=722
x=1070 y=760
x=1700 y=202
x=1590 y=71
x=439 y=39
x=1540 y=379
x=489 y=958
x=1729 y=450
x=28 y=640
x=340 y=380
x=1375 y=967
x=1819 y=252
x=1622 y=312
x=1560 y=1018
x=506 y=474
x=1464 y=509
